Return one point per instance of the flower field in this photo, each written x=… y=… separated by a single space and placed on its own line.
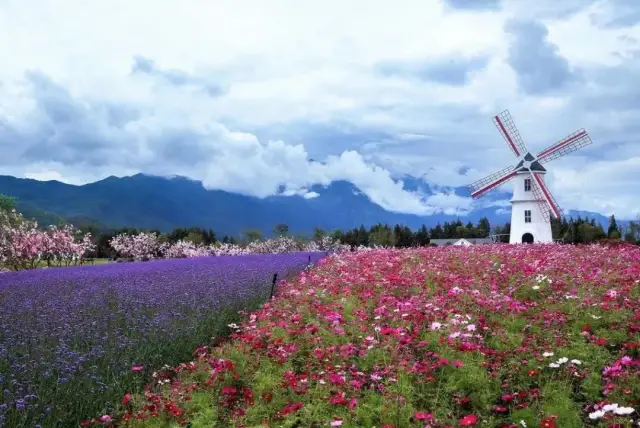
x=495 y=336
x=74 y=340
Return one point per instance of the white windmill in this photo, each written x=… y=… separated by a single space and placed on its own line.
x=528 y=223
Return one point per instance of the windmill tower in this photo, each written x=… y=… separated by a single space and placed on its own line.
x=532 y=203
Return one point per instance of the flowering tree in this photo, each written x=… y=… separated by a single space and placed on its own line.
x=184 y=249
x=61 y=246
x=146 y=246
x=21 y=243
x=326 y=243
x=143 y=246
x=24 y=246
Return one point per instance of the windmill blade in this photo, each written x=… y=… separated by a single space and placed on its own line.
x=546 y=201
x=491 y=182
x=573 y=142
x=507 y=128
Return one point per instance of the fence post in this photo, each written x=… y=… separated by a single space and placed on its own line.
x=273 y=284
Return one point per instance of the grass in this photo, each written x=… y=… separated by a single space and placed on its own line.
x=89 y=262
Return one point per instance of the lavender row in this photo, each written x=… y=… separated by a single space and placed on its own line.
x=69 y=338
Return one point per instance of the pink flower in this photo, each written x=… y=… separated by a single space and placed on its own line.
x=336 y=423
x=468 y=420
x=336 y=379
x=423 y=416
x=137 y=369
x=105 y=419
x=228 y=390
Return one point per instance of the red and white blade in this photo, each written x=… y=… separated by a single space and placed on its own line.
x=573 y=142
x=546 y=201
x=507 y=128
x=491 y=182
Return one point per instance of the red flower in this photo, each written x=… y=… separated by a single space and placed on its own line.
x=547 y=423
x=468 y=420
x=126 y=398
x=291 y=408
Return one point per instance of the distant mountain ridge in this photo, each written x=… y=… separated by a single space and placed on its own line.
x=149 y=202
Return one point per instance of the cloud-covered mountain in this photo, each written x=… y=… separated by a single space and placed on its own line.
x=155 y=202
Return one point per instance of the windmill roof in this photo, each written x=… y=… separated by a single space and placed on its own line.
x=535 y=165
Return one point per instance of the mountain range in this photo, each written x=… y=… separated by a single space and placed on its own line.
x=151 y=202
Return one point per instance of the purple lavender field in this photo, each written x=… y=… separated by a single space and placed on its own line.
x=69 y=337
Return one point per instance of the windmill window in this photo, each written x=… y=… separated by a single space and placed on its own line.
x=527 y=184
x=527 y=216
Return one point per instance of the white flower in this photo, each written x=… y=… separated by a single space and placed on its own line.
x=610 y=407
x=563 y=360
x=597 y=414
x=576 y=362
x=547 y=354
x=523 y=423
x=536 y=287
x=624 y=410
x=595 y=317
x=435 y=325
x=554 y=365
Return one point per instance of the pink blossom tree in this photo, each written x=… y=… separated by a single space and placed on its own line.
x=24 y=246
x=143 y=246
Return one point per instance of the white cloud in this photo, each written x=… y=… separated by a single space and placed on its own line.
x=599 y=186
x=291 y=68
x=311 y=195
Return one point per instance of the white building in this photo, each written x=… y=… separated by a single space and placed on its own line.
x=466 y=242
x=527 y=222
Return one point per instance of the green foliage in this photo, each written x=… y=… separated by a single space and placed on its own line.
x=613 y=232
x=253 y=235
x=577 y=230
x=318 y=234
x=400 y=236
x=194 y=238
x=382 y=235
x=281 y=229
x=557 y=400
x=7 y=203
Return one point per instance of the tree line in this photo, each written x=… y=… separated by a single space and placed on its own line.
x=576 y=230
x=580 y=230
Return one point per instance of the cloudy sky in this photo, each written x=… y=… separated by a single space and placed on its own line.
x=243 y=94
